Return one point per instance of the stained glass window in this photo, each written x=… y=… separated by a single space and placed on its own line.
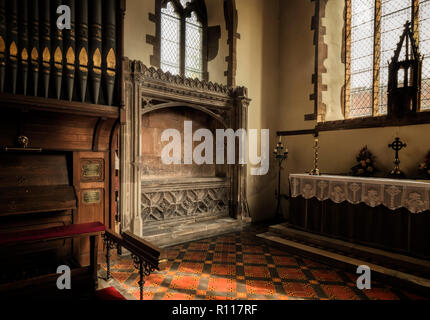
x=362 y=43
x=173 y=45
x=170 y=40
x=193 y=47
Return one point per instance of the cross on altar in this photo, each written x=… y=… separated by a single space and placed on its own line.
x=397 y=145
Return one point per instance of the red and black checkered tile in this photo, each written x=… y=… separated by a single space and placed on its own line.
x=241 y=266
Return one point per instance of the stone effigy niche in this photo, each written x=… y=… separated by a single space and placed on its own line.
x=178 y=191
x=154 y=193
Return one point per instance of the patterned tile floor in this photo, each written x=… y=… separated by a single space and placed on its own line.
x=241 y=266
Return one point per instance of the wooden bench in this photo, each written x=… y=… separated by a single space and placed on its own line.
x=146 y=257
x=47 y=282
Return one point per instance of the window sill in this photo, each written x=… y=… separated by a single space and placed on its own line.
x=374 y=122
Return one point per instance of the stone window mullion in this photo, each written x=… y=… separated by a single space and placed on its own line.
x=182 y=47
x=416 y=19
x=377 y=57
x=347 y=97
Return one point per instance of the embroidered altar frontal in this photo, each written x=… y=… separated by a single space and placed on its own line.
x=386 y=213
x=393 y=194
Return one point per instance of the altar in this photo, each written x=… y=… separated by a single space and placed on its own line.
x=384 y=213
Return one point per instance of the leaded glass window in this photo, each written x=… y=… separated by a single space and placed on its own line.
x=362 y=57
x=181 y=50
x=193 y=47
x=170 y=40
x=372 y=34
x=424 y=36
x=395 y=13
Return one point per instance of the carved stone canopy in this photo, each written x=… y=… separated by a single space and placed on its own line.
x=163 y=90
x=148 y=90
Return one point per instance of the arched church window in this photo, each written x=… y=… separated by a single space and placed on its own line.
x=182 y=27
x=170 y=39
x=373 y=31
x=193 y=47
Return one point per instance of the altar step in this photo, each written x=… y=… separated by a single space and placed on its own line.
x=396 y=268
x=178 y=233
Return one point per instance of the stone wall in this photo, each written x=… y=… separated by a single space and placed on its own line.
x=154 y=124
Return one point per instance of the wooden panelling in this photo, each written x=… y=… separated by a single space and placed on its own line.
x=378 y=227
x=54 y=131
x=24 y=200
x=102 y=136
x=91 y=211
x=27 y=169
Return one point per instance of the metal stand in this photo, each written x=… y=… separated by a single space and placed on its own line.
x=280 y=156
x=316 y=171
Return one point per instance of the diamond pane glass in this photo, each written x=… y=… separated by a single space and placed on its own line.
x=362 y=42
x=395 y=13
x=424 y=36
x=170 y=40
x=193 y=47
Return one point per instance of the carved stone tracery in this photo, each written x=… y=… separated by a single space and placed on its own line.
x=172 y=201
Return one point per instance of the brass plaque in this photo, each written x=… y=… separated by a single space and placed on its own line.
x=92 y=170
x=91 y=196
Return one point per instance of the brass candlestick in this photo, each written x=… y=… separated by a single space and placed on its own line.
x=315 y=171
x=280 y=155
x=397 y=145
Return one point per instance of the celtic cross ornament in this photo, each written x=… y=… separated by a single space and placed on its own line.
x=397 y=145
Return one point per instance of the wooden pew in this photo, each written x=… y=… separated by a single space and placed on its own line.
x=82 y=277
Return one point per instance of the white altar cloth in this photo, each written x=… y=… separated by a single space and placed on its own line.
x=394 y=194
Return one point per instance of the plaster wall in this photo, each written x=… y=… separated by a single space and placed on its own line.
x=258 y=70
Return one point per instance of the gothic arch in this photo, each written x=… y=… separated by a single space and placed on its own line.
x=154 y=108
